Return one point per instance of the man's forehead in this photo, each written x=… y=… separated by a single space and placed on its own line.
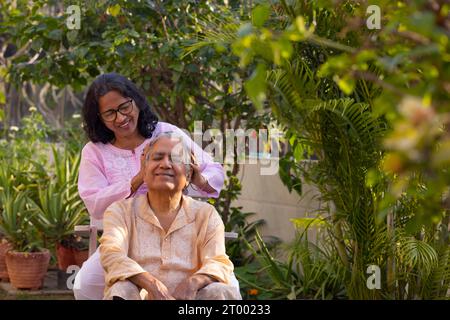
x=165 y=145
x=162 y=151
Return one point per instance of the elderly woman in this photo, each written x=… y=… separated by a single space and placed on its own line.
x=165 y=245
x=119 y=123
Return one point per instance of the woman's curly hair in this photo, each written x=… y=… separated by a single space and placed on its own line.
x=93 y=124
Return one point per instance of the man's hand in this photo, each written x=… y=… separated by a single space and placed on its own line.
x=158 y=291
x=155 y=288
x=187 y=289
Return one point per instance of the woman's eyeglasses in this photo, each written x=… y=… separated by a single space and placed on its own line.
x=124 y=109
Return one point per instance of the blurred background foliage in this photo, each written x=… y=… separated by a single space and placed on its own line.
x=371 y=105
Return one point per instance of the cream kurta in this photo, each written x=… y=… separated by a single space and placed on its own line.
x=134 y=242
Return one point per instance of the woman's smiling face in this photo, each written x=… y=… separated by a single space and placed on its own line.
x=123 y=125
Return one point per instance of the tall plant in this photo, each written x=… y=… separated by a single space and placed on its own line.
x=57 y=212
x=15 y=222
x=295 y=49
x=59 y=207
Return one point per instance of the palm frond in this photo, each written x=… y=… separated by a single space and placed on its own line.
x=437 y=284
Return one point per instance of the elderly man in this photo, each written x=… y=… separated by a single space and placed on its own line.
x=165 y=245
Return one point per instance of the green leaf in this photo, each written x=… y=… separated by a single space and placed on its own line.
x=260 y=14
x=372 y=178
x=113 y=10
x=55 y=34
x=37 y=44
x=133 y=33
x=281 y=49
x=256 y=86
x=305 y=222
x=245 y=30
x=81 y=52
x=72 y=36
x=346 y=84
x=298 y=152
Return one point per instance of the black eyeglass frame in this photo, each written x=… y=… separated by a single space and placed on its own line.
x=117 y=110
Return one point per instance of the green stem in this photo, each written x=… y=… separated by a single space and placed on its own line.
x=330 y=43
x=253 y=285
x=390 y=259
x=340 y=244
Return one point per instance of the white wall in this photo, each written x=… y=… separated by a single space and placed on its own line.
x=271 y=200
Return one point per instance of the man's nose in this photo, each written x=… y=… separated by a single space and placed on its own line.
x=166 y=162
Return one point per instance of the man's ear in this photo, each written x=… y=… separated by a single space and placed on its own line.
x=146 y=150
x=190 y=173
x=145 y=155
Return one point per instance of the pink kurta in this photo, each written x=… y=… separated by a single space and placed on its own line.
x=106 y=172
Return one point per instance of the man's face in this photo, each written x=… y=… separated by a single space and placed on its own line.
x=164 y=167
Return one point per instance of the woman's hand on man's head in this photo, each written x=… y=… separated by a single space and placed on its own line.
x=197 y=179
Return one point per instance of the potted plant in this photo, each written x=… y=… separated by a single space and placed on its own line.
x=27 y=262
x=5 y=246
x=80 y=248
x=56 y=213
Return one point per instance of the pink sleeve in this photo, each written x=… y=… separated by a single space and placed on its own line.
x=94 y=188
x=212 y=171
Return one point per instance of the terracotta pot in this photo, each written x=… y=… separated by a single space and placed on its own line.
x=80 y=256
x=4 y=247
x=27 y=270
x=65 y=257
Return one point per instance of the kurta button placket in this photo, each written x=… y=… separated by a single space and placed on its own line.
x=165 y=248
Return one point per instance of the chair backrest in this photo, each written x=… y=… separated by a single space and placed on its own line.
x=98 y=224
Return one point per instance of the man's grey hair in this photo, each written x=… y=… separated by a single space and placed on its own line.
x=185 y=150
